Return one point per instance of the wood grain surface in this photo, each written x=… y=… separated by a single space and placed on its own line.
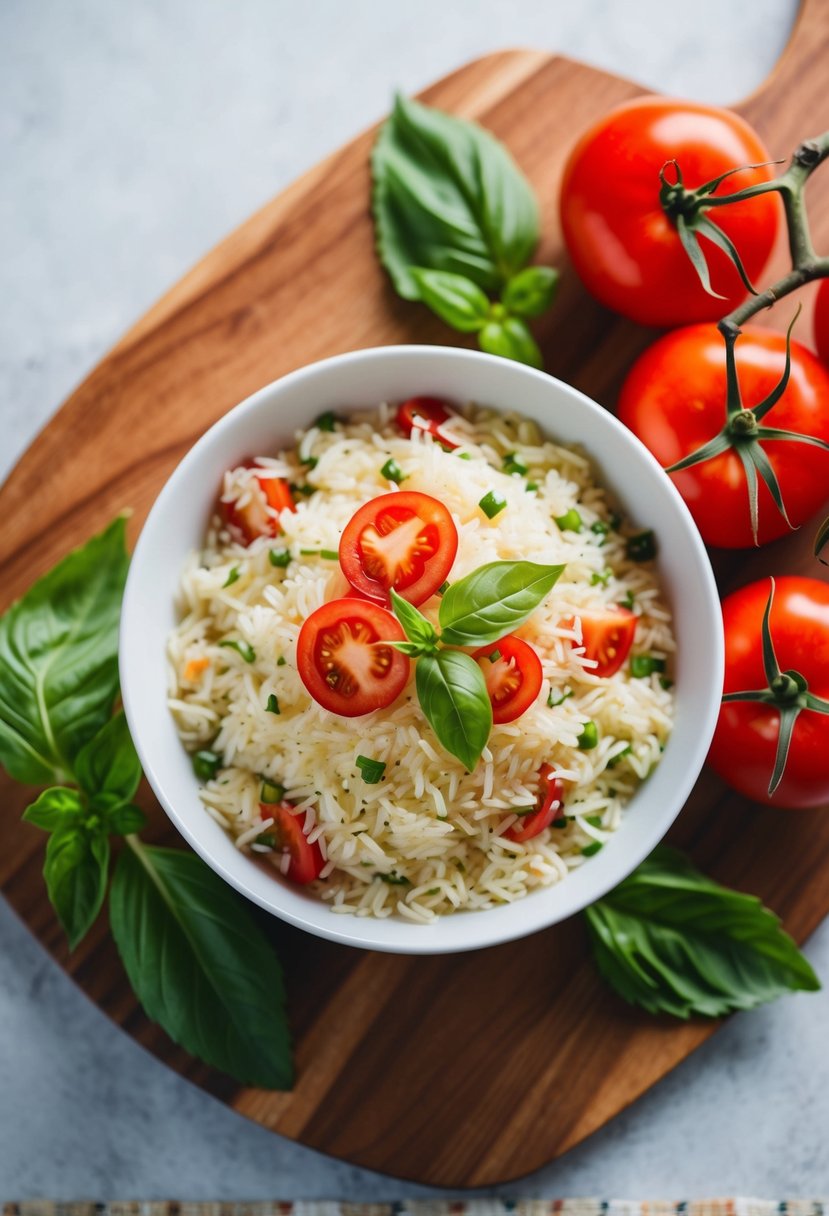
x=470 y=1069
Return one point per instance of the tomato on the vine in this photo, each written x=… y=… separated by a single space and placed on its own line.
x=674 y=399
x=550 y=800
x=623 y=244
x=513 y=675
x=745 y=742
x=342 y=661
x=306 y=860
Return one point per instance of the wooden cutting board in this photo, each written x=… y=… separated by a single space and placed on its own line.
x=471 y=1069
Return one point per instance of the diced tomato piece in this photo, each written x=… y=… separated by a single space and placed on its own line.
x=426 y=414
x=247 y=523
x=289 y=837
x=513 y=678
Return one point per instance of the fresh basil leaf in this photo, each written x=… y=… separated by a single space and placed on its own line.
x=55 y=808
x=493 y=600
x=59 y=660
x=126 y=819
x=511 y=339
x=453 y=297
x=672 y=941
x=109 y=764
x=448 y=196
x=415 y=625
x=530 y=292
x=200 y=964
x=413 y=650
x=452 y=692
x=75 y=871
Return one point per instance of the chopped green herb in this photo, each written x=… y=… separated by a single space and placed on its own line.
x=643 y=665
x=281 y=661
x=492 y=504
x=600 y=528
x=372 y=770
x=244 y=648
x=330 y=555
x=232 y=577
x=494 y=656
x=642 y=547
x=555 y=699
x=595 y=821
x=306 y=491
x=619 y=757
x=513 y=463
x=591 y=849
x=326 y=421
x=442 y=589
x=628 y=601
x=266 y=838
x=394 y=880
x=310 y=462
x=531 y=487
x=392 y=471
x=206 y=764
x=603 y=578
x=271 y=792
x=522 y=810
x=273 y=704
x=666 y=683
x=560 y=823
x=570 y=521
x=463 y=456
x=433 y=891
x=280 y=557
x=309 y=552
x=589 y=736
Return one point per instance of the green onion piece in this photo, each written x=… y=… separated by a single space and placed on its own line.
x=394 y=880
x=603 y=578
x=591 y=849
x=589 y=736
x=442 y=589
x=266 y=838
x=271 y=791
x=281 y=661
x=628 y=601
x=206 y=764
x=492 y=504
x=642 y=547
x=666 y=683
x=309 y=552
x=295 y=488
x=273 y=704
x=310 y=462
x=330 y=555
x=280 y=557
x=326 y=421
x=392 y=471
x=600 y=528
x=463 y=456
x=619 y=757
x=531 y=487
x=560 y=823
x=522 y=810
x=513 y=463
x=595 y=821
x=433 y=891
x=372 y=770
x=494 y=656
x=232 y=577
x=555 y=699
x=643 y=665
x=570 y=521
x=244 y=648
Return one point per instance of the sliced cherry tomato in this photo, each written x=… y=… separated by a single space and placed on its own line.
x=513 y=679
x=306 y=859
x=607 y=638
x=550 y=798
x=251 y=521
x=404 y=540
x=342 y=661
x=425 y=414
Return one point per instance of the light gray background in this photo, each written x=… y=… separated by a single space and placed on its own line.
x=134 y=136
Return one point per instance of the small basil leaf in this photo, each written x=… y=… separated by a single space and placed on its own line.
x=415 y=625
x=511 y=339
x=59 y=660
x=454 y=298
x=493 y=600
x=672 y=941
x=413 y=649
x=126 y=819
x=55 y=808
x=530 y=292
x=75 y=871
x=452 y=692
x=109 y=764
x=200 y=965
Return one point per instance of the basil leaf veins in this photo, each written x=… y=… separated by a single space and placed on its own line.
x=493 y=600
x=452 y=692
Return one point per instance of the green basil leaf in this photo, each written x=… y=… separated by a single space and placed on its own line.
x=126 y=819
x=75 y=871
x=55 y=808
x=448 y=196
x=672 y=941
x=59 y=660
x=493 y=600
x=511 y=339
x=415 y=625
x=109 y=764
x=200 y=965
x=453 y=297
x=452 y=692
x=530 y=292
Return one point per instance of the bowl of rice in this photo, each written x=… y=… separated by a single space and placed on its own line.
x=402 y=766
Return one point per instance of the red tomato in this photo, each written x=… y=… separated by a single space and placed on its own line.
x=607 y=638
x=625 y=248
x=550 y=799
x=251 y=521
x=513 y=680
x=404 y=540
x=822 y=321
x=341 y=659
x=674 y=400
x=425 y=414
x=745 y=740
x=306 y=858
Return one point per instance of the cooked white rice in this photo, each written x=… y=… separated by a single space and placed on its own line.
x=429 y=838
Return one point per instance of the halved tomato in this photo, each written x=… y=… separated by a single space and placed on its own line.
x=425 y=414
x=607 y=638
x=345 y=661
x=253 y=520
x=550 y=799
x=513 y=675
x=306 y=859
x=404 y=540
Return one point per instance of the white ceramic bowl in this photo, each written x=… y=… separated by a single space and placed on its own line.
x=268 y=420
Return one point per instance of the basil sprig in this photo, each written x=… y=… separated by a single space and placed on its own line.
x=197 y=961
x=456 y=223
x=673 y=941
x=476 y=610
